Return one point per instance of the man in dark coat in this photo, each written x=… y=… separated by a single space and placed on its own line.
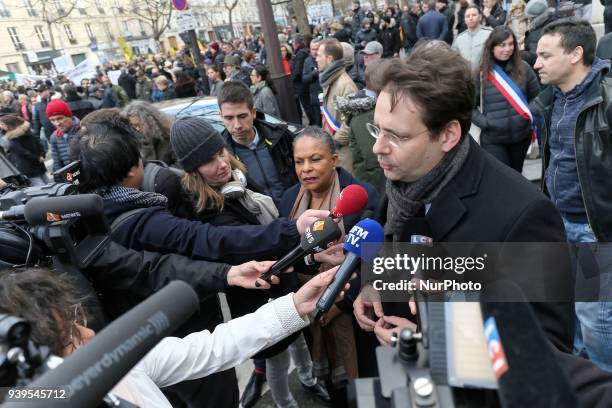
x=443 y=188
x=408 y=24
x=41 y=121
x=127 y=81
x=365 y=35
x=80 y=107
x=449 y=14
x=494 y=14
x=312 y=87
x=432 y=24
x=389 y=37
x=358 y=17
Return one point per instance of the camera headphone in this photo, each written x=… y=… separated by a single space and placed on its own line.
x=236 y=188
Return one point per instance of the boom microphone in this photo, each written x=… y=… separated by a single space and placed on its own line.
x=47 y=210
x=362 y=242
x=527 y=372
x=353 y=199
x=316 y=238
x=94 y=369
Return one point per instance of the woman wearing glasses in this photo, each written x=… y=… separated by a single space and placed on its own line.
x=334 y=352
x=46 y=300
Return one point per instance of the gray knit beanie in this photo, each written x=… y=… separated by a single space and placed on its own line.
x=536 y=7
x=194 y=141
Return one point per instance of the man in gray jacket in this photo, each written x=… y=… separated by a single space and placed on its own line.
x=470 y=43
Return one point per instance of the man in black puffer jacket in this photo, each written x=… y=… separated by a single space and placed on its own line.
x=80 y=107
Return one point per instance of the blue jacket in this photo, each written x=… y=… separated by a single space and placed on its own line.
x=156 y=229
x=346 y=179
x=40 y=120
x=561 y=174
x=432 y=25
x=60 y=145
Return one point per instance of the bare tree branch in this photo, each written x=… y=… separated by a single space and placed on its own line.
x=157 y=14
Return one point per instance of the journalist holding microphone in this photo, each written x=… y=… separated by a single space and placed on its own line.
x=46 y=300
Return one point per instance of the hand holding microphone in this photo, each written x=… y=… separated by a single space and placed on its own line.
x=362 y=242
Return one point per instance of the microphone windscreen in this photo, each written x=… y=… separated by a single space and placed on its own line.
x=41 y=210
x=96 y=367
x=365 y=239
x=353 y=199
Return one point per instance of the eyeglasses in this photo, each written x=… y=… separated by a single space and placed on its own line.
x=80 y=318
x=392 y=139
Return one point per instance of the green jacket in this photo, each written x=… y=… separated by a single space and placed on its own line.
x=358 y=110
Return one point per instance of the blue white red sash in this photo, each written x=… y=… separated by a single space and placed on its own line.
x=510 y=91
x=331 y=124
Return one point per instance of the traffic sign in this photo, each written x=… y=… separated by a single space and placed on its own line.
x=179 y=4
x=185 y=21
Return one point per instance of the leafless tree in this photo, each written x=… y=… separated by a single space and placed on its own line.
x=157 y=14
x=230 y=6
x=52 y=13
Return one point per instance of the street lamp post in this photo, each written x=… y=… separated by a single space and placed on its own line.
x=282 y=82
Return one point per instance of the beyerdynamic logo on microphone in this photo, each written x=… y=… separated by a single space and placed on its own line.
x=54 y=217
x=153 y=328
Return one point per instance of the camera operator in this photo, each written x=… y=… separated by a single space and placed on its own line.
x=45 y=299
x=438 y=174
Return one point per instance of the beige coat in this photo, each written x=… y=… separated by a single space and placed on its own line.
x=340 y=85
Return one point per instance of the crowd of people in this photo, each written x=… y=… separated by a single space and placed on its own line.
x=220 y=205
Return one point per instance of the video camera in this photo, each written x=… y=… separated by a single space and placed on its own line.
x=422 y=369
x=51 y=221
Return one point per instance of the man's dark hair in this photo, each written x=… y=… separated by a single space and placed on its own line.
x=70 y=90
x=439 y=81
x=235 y=92
x=474 y=7
x=333 y=48
x=107 y=146
x=574 y=33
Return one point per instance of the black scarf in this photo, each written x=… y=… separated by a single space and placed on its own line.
x=408 y=199
x=326 y=76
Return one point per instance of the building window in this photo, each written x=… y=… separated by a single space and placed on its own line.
x=143 y=30
x=126 y=29
x=3 y=10
x=40 y=33
x=69 y=34
x=100 y=7
x=15 y=39
x=109 y=33
x=13 y=67
x=58 y=6
x=30 y=8
x=90 y=33
x=119 y=6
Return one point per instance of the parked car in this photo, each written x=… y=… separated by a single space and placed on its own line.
x=207 y=108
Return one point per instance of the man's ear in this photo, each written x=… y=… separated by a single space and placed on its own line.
x=450 y=136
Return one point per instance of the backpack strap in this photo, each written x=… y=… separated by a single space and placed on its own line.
x=121 y=219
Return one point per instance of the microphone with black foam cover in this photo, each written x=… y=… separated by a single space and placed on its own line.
x=363 y=241
x=317 y=237
x=95 y=368
x=527 y=372
x=46 y=210
x=352 y=200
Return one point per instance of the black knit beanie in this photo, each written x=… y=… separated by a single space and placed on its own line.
x=194 y=141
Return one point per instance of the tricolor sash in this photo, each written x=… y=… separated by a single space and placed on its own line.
x=331 y=124
x=510 y=91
